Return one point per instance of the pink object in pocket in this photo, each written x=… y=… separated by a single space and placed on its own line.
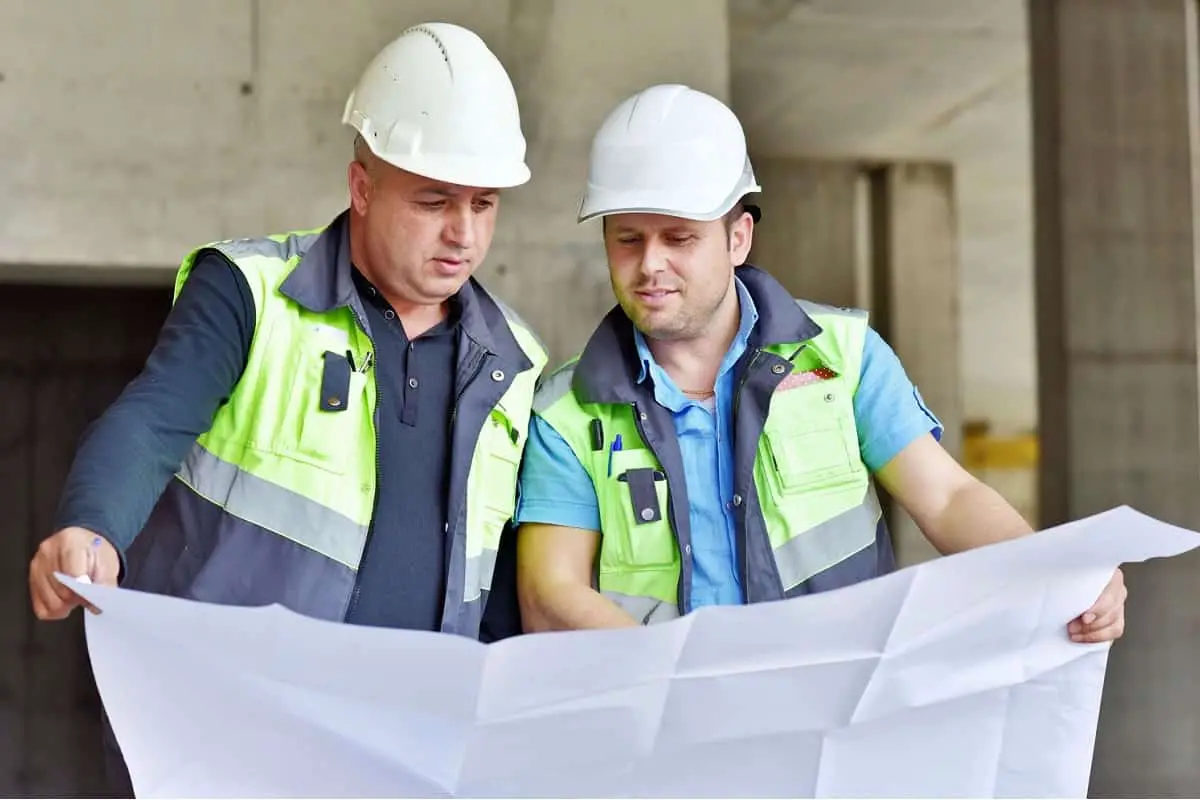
x=798 y=379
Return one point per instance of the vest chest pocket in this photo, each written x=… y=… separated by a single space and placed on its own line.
x=633 y=512
x=325 y=412
x=811 y=439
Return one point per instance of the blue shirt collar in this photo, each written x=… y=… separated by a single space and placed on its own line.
x=748 y=313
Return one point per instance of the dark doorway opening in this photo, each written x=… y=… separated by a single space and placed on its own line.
x=66 y=352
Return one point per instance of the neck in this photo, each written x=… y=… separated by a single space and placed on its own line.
x=415 y=317
x=693 y=363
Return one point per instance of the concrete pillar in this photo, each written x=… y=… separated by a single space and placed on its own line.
x=572 y=62
x=1115 y=134
x=915 y=304
x=809 y=237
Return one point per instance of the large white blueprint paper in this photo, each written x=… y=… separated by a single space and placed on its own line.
x=951 y=678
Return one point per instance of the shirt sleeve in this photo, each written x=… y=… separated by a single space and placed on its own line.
x=888 y=408
x=130 y=452
x=555 y=488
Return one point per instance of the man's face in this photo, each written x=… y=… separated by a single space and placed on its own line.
x=672 y=275
x=424 y=238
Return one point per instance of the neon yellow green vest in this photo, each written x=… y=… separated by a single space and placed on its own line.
x=816 y=496
x=274 y=459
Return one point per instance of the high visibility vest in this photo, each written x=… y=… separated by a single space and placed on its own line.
x=282 y=459
x=815 y=494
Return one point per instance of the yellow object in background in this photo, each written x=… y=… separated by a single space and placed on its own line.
x=982 y=450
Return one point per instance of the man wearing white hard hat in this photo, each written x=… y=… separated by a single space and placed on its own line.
x=717 y=441
x=332 y=419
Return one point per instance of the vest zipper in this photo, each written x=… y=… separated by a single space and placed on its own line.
x=368 y=361
x=743 y=539
x=476 y=366
x=451 y=525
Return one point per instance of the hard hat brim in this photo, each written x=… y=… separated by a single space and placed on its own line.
x=599 y=203
x=463 y=171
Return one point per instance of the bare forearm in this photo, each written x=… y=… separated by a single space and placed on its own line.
x=976 y=515
x=570 y=606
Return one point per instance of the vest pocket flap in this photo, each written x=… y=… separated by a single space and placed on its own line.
x=622 y=461
x=810 y=435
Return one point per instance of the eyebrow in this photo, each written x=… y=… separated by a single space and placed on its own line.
x=674 y=229
x=438 y=191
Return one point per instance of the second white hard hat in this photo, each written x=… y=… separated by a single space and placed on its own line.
x=668 y=149
x=438 y=103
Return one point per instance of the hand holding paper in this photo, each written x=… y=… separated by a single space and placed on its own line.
x=1105 y=620
x=72 y=551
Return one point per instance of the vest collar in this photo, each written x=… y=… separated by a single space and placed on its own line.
x=609 y=366
x=322 y=281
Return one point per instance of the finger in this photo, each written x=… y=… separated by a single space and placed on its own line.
x=1101 y=623
x=107 y=567
x=1112 y=597
x=44 y=595
x=74 y=562
x=1106 y=634
x=35 y=600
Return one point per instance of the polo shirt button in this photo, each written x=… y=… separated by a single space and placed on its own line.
x=412 y=383
x=389 y=314
x=687 y=549
x=737 y=500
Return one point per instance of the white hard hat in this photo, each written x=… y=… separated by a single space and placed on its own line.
x=437 y=102
x=670 y=150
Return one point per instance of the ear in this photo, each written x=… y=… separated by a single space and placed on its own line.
x=360 y=187
x=741 y=236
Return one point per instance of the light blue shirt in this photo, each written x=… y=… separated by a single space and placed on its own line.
x=556 y=489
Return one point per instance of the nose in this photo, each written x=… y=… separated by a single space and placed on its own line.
x=654 y=257
x=459 y=228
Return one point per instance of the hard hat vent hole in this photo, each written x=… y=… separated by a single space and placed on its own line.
x=438 y=41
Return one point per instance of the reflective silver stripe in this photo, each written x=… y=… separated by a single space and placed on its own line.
x=646 y=610
x=292 y=245
x=811 y=308
x=830 y=543
x=479 y=574
x=514 y=319
x=274 y=508
x=553 y=388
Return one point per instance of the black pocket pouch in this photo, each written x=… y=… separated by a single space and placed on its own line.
x=643 y=493
x=335 y=382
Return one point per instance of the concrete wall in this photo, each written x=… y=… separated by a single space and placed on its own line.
x=186 y=122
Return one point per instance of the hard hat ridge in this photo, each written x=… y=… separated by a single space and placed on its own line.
x=437 y=102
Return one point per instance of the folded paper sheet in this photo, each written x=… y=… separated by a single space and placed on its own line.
x=951 y=678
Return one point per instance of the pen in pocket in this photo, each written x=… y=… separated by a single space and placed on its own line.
x=616 y=445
